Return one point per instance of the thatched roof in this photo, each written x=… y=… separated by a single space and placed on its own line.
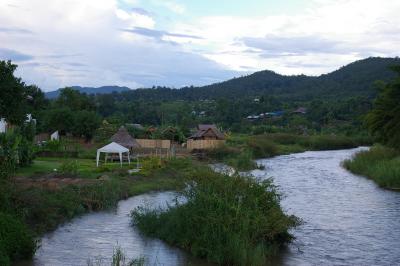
x=204 y=131
x=123 y=138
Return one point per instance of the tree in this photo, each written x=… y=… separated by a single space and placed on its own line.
x=60 y=119
x=74 y=100
x=12 y=97
x=85 y=124
x=384 y=118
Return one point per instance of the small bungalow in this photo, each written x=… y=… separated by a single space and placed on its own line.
x=122 y=137
x=207 y=132
x=300 y=110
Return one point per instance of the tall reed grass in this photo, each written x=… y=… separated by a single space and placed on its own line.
x=227 y=220
x=380 y=163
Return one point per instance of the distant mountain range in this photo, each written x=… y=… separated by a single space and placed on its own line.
x=355 y=79
x=89 y=90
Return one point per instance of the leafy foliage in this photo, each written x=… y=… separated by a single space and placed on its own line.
x=228 y=220
x=16 y=240
x=12 y=96
x=384 y=119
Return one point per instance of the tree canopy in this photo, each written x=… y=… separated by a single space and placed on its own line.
x=384 y=118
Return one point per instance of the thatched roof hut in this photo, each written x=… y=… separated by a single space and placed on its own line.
x=207 y=132
x=122 y=137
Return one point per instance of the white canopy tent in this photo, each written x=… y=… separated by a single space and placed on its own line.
x=112 y=148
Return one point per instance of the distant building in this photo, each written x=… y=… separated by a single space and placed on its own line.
x=123 y=138
x=29 y=119
x=276 y=113
x=3 y=125
x=300 y=110
x=136 y=126
x=55 y=136
x=253 y=117
x=207 y=132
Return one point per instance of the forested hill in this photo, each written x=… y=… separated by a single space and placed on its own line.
x=355 y=79
x=90 y=90
x=352 y=80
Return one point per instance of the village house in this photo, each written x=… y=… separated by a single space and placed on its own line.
x=123 y=138
x=300 y=110
x=207 y=132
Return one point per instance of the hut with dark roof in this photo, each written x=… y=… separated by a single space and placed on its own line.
x=123 y=138
x=207 y=132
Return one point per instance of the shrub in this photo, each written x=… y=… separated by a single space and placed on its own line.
x=222 y=152
x=25 y=152
x=9 y=143
x=327 y=142
x=243 y=161
x=284 y=138
x=262 y=147
x=69 y=167
x=16 y=241
x=227 y=220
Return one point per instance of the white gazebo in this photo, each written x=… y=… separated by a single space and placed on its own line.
x=112 y=148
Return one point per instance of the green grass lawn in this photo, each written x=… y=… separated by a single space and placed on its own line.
x=86 y=167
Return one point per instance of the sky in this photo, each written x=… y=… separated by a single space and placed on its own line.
x=141 y=43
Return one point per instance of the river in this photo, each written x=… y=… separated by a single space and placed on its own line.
x=348 y=220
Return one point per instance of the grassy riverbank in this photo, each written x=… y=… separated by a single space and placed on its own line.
x=240 y=151
x=52 y=191
x=380 y=164
x=227 y=220
x=34 y=204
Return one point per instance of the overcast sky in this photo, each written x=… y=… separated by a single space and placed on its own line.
x=140 y=43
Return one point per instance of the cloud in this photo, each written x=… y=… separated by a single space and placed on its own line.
x=80 y=43
x=158 y=42
x=8 y=54
x=141 y=11
x=171 y=5
x=15 y=30
x=293 y=45
x=331 y=32
x=159 y=34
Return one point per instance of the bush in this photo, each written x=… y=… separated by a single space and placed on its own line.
x=44 y=209
x=227 y=220
x=262 y=147
x=25 y=152
x=243 y=161
x=379 y=163
x=327 y=142
x=284 y=138
x=9 y=143
x=222 y=152
x=16 y=241
x=69 y=167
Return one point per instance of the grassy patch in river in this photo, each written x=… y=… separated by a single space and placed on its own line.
x=227 y=220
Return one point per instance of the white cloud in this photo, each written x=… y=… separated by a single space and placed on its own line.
x=83 y=43
x=100 y=42
x=171 y=5
x=328 y=35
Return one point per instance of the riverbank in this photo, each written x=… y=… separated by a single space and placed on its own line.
x=40 y=199
x=54 y=190
x=240 y=151
x=380 y=164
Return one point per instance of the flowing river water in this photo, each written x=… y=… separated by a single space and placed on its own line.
x=348 y=220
